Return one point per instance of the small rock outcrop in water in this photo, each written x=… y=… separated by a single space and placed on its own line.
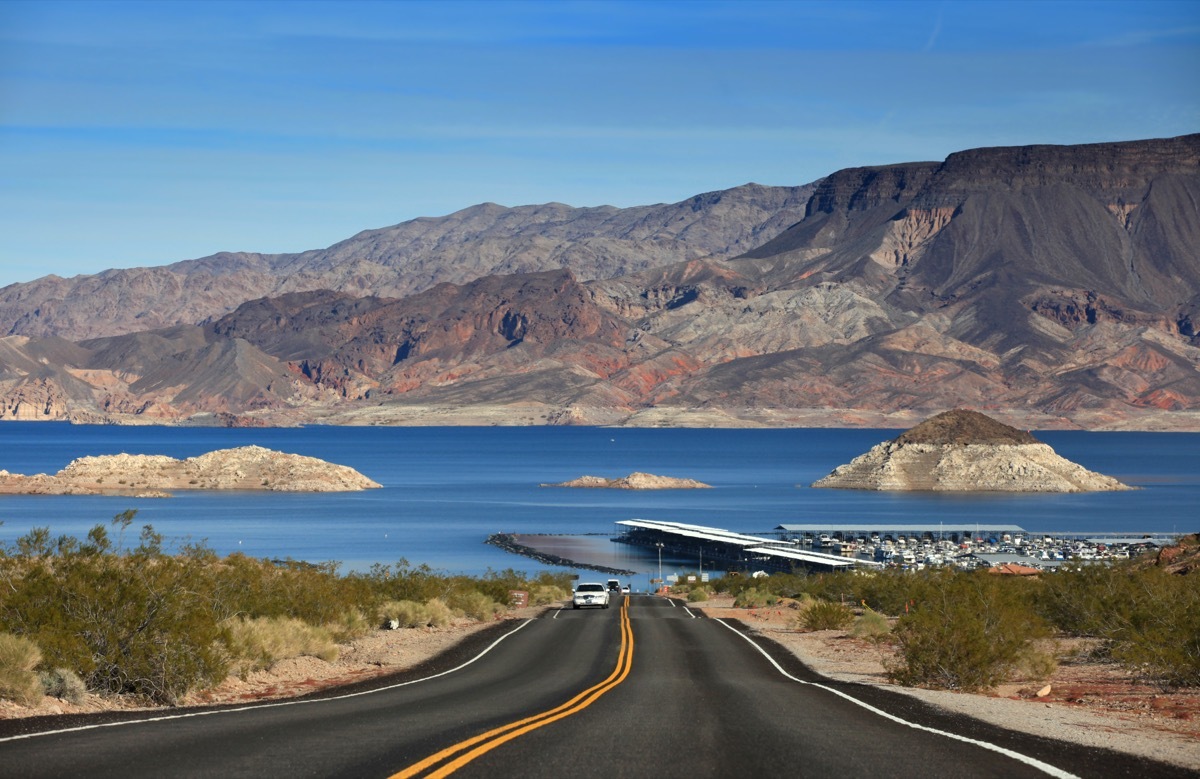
x=146 y=475
x=965 y=451
x=634 y=481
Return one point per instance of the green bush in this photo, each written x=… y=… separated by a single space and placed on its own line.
x=1088 y=600
x=18 y=681
x=753 y=598
x=127 y=624
x=1160 y=637
x=826 y=615
x=698 y=595
x=64 y=684
x=965 y=632
x=871 y=626
x=1148 y=620
x=476 y=605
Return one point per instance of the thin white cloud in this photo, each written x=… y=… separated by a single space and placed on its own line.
x=937 y=30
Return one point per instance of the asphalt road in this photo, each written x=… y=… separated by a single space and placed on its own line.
x=643 y=689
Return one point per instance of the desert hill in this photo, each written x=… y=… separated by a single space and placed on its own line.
x=1054 y=286
x=397 y=261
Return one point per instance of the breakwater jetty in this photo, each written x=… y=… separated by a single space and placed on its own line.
x=509 y=543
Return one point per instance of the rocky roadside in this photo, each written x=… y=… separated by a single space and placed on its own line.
x=1088 y=703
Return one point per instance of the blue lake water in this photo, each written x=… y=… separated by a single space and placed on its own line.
x=446 y=489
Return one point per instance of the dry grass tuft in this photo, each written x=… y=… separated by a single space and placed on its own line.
x=255 y=644
x=18 y=681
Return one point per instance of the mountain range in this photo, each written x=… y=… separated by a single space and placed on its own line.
x=1050 y=286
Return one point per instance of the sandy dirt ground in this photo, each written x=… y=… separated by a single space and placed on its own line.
x=1088 y=703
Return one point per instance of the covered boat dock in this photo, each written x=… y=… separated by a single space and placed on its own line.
x=888 y=531
x=731 y=551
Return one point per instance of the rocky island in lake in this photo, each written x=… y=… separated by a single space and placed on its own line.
x=634 y=481
x=965 y=451
x=149 y=475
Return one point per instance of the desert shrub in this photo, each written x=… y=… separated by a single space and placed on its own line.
x=64 y=684
x=542 y=594
x=476 y=605
x=1159 y=637
x=404 y=614
x=698 y=595
x=888 y=592
x=496 y=585
x=754 y=598
x=1148 y=620
x=965 y=631
x=254 y=644
x=403 y=582
x=872 y=626
x=409 y=614
x=825 y=615
x=349 y=626
x=130 y=623
x=1088 y=600
x=439 y=614
x=18 y=681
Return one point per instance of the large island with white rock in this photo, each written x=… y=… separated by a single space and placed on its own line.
x=965 y=451
x=148 y=475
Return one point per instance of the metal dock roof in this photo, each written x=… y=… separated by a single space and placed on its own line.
x=756 y=545
x=696 y=531
x=850 y=527
x=833 y=561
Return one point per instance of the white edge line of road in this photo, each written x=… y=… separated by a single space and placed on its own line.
x=689 y=612
x=1030 y=761
x=276 y=704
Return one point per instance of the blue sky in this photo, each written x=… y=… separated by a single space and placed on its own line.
x=143 y=133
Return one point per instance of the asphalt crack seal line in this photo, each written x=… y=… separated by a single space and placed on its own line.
x=1029 y=761
x=486 y=742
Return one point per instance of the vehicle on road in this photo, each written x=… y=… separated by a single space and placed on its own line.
x=614 y=585
x=590 y=594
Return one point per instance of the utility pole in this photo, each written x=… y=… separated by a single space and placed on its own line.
x=660 y=578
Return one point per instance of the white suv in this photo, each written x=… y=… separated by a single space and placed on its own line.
x=590 y=594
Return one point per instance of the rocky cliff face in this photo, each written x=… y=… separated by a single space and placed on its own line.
x=963 y=451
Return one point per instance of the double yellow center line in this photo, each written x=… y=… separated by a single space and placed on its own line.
x=477 y=746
